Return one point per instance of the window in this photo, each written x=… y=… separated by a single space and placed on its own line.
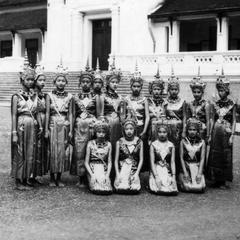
x=6 y=48
x=234 y=33
x=198 y=35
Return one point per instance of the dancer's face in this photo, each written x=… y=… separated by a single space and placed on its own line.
x=174 y=91
x=222 y=93
x=113 y=84
x=101 y=134
x=60 y=83
x=40 y=83
x=162 y=134
x=157 y=91
x=129 y=130
x=192 y=132
x=197 y=94
x=28 y=82
x=97 y=85
x=86 y=84
x=136 y=88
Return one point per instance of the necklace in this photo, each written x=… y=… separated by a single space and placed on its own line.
x=171 y=100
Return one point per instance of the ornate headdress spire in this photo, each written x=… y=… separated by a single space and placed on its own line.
x=61 y=71
x=136 y=76
x=173 y=80
x=113 y=72
x=26 y=70
x=87 y=73
x=222 y=81
x=97 y=73
x=158 y=81
x=197 y=82
x=39 y=70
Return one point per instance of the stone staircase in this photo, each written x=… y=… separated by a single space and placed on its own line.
x=9 y=83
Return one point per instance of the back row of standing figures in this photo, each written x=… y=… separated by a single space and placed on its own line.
x=68 y=118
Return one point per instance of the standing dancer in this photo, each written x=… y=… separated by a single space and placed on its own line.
x=41 y=167
x=156 y=105
x=112 y=102
x=84 y=112
x=200 y=108
x=224 y=116
x=176 y=115
x=24 y=125
x=137 y=107
x=59 y=126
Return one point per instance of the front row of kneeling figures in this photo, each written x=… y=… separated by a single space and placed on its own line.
x=129 y=160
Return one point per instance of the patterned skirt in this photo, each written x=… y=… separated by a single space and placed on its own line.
x=83 y=132
x=166 y=186
x=23 y=152
x=220 y=165
x=59 y=144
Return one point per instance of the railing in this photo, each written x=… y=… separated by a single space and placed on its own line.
x=183 y=63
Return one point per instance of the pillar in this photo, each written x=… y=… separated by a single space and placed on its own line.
x=174 y=36
x=222 y=34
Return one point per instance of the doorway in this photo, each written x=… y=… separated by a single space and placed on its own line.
x=101 y=42
x=32 y=49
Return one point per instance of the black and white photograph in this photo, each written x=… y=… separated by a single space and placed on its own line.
x=119 y=119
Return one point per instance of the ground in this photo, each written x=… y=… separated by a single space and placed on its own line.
x=70 y=213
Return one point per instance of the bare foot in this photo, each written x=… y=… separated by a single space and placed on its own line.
x=60 y=184
x=52 y=184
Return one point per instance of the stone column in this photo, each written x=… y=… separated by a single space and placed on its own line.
x=77 y=39
x=17 y=45
x=115 y=29
x=222 y=34
x=174 y=36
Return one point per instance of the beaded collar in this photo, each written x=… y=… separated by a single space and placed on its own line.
x=177 y=100
x=136 y=98
x=28 y=94
x=224 y=103
x=158 y=101
x=83 y=95
x=60 y=94
x=198 y=103
x=101 y=144
x=112 y=94
x=195 y=140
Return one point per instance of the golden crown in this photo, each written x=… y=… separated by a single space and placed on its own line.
x=61 y=70
x=113 y=72
x=197 y=81
x=39 y=70
x=195 y=123
x=88 y=73
x=136 y=76
x=222 y=81
x=173 y=80
x=100 y=124
x=157 y=81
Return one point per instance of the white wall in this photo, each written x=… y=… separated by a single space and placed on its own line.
x=69 y=29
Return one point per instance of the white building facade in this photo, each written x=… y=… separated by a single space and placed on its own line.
x=131 y=31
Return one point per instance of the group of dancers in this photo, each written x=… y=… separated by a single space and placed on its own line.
x=107 y=140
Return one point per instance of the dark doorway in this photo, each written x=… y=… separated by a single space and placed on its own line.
x=32 y=49
x=101 y=43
